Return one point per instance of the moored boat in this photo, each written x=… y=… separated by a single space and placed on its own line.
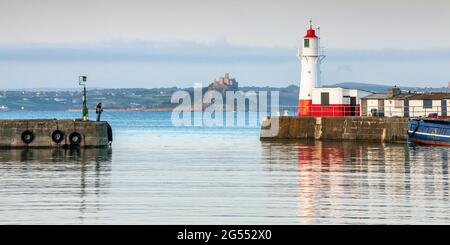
x=429 y=131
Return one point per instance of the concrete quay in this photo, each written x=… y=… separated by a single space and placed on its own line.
x=373 y=129
x=52 y=133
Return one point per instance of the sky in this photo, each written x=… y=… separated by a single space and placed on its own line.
x=165 y=43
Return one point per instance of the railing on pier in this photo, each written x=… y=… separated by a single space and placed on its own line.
x=373 y=111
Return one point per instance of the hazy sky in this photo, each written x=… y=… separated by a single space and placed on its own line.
x=46 y=43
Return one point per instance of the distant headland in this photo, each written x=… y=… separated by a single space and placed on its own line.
x=149 y=99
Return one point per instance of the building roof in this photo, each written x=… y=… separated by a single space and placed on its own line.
x=411 y=96
x=401 y=96
x=430 y=96
x=375 y=96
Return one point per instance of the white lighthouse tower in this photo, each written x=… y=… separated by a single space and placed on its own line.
x=310 y=70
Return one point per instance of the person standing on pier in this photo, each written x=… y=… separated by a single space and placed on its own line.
x=98 y=111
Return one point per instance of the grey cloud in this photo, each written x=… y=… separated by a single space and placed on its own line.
x=145 y=51
x=199 y=52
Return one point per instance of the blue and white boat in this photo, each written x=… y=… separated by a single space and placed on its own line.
x=429 y=132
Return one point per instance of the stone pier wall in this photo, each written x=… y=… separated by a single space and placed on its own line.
x=93 y=134
x=375 y=129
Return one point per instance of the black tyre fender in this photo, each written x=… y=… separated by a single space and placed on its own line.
x=75 y=138
x=27 y=136
x=57 y=136
x=109 y=131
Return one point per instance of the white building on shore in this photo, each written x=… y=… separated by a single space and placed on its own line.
x=397 y=104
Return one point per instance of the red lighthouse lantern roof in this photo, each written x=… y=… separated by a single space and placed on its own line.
x=310 y=33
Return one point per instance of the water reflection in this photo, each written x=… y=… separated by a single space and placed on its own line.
x=81 y=155
x=54 y=183
x=348 y=182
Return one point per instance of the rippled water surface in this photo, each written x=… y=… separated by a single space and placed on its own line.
x=159 y=174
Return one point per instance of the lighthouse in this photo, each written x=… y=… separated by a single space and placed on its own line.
x=308 y=54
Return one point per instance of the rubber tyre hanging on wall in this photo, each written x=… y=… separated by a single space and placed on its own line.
x=27 y=136
x=109 y=131
x=57 y=136
x=75 y=139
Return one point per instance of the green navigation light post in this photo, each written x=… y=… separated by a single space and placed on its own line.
x=82 y=81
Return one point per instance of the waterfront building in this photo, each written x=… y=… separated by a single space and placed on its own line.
x=336 y=101
x=397 y=104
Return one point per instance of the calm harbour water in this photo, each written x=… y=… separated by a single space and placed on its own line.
x=159 y=174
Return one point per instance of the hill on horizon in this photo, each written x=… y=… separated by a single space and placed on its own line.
x=148 y=99
x=377 y=88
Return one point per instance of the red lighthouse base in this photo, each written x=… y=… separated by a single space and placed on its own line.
x=304 y=108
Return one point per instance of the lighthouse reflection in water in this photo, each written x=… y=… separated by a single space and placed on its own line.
x=360 y=183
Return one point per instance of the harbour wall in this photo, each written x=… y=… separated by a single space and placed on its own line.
x=374 y=129
x=72 y=133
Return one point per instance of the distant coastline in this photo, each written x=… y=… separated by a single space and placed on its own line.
x=146 y=100
x=129 y=110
